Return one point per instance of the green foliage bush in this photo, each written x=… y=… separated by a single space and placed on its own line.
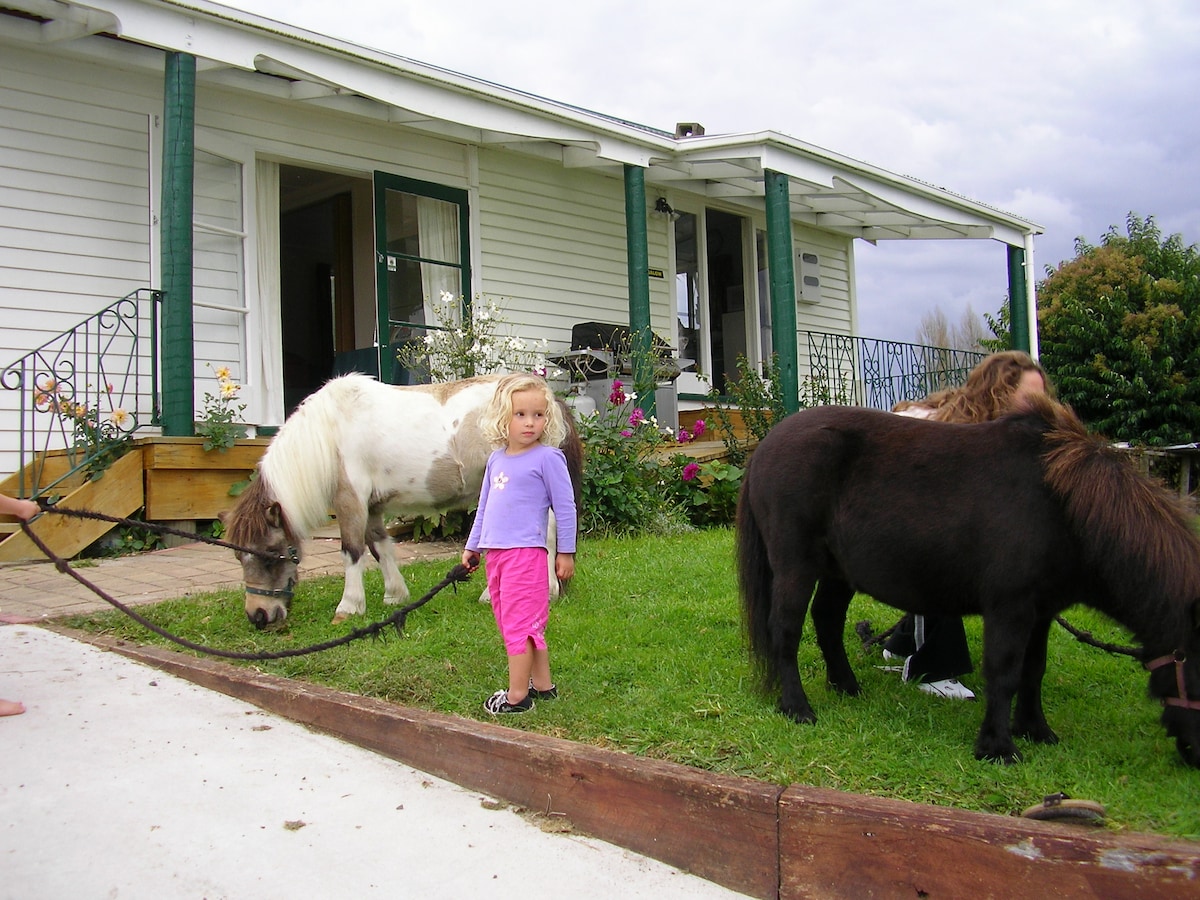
x=633 y=483
x=1120 y=334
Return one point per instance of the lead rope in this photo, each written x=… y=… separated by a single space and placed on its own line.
x=397 y=619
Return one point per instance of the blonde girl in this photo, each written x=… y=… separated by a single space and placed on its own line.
x=526 y=478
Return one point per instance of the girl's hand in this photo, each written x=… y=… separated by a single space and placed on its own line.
x=470 y=560
x=564 y=566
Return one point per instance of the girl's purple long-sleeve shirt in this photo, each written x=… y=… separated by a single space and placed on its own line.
x=517 y=494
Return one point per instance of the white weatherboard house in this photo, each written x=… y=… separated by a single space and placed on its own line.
x=289 y=206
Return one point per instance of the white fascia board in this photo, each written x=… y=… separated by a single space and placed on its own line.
x=816 y=166
x=238 y=39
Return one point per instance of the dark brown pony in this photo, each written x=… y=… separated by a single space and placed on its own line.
x=1014 y=520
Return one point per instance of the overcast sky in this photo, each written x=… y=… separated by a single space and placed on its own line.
x=1068 y=114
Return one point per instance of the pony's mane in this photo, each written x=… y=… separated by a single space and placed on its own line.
x=1126 y=520
x=249 y=523
x=300 y=468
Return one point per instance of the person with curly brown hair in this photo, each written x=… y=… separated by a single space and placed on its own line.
x=934 y=648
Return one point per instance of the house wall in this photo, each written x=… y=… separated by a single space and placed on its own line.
x=79 y=167
x=75 y=210
x=553 y=248
x=833 y=312
x=79 y=160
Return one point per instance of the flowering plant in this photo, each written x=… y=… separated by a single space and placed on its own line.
x=100 y=439
x=707 y=491
x=622 y=490
x=219 y=422
x=484 y=343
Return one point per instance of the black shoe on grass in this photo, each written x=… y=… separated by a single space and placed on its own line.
x=551 y=693
x=498 y=704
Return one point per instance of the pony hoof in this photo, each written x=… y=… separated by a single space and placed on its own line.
x=800 y=717
x=1006 y=758
x=339 y=618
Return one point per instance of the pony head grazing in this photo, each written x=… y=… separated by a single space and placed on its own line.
x=271 y=558
x=1140 y=538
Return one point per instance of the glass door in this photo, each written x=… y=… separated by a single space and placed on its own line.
x=421 y=250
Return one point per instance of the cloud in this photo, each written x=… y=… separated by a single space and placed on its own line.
x=1070 y=114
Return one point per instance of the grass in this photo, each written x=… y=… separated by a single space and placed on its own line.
x=649 y=657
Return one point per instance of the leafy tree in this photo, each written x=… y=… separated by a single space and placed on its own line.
x=1120 y=334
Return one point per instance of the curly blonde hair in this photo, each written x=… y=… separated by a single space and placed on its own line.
x=495 y=418
x=988 y=393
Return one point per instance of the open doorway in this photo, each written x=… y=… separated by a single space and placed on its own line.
x=317 y=236
x=726 y=295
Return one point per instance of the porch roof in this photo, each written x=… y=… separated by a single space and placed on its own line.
x=244 y=52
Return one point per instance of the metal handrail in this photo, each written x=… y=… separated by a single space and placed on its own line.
x=83 y=395
x=858 y=371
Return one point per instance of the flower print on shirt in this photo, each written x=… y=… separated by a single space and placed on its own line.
x=499 y=480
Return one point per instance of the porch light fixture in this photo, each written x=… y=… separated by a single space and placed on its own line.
x=662 y=207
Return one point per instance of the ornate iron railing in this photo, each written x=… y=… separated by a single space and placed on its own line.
x=82 y=395
x=856 y=371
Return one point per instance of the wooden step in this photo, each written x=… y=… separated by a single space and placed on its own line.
x=117 y=492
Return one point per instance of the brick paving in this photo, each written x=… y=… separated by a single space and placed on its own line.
x=37 y=591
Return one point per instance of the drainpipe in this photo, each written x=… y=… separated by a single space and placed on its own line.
x=178 y=173
x=1018 y=303
x=638 y=254
x=783 y=285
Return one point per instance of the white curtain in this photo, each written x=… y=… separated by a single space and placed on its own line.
x=270 y=321
x=437 y=234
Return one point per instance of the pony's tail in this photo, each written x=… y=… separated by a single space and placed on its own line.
x=755 y=582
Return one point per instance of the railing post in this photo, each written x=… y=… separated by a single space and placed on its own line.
x=1018 y=300
x=638 y=255
x=783 y=286
x=179 y=163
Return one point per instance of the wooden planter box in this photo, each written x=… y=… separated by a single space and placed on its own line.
x=184 y=481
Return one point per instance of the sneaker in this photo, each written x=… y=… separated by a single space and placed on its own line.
x=888 y=654
x=498 y=704
x=550 y=693
x=950 y=688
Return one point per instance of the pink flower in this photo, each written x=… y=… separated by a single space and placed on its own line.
x=626 y=433
x=637 y=417
x=684 y=437
x=617 y=396
x=698 y=428
x=690 y=471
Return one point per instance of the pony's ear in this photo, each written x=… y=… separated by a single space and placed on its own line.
x=275 y=515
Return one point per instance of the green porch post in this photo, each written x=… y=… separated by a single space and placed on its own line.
x=638 y=255
x=178 y=173
x=783 y=285
x=1018 y=300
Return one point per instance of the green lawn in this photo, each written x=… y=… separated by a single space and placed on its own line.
x=649 y=657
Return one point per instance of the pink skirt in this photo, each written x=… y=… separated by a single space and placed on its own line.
x=519 y=582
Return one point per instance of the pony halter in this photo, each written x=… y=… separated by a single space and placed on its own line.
x=293 y=556
x=1179 y=658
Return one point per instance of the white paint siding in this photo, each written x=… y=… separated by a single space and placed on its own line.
x=75 y=195
x=74 y=187
x=553 y=249
x=832 y=314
